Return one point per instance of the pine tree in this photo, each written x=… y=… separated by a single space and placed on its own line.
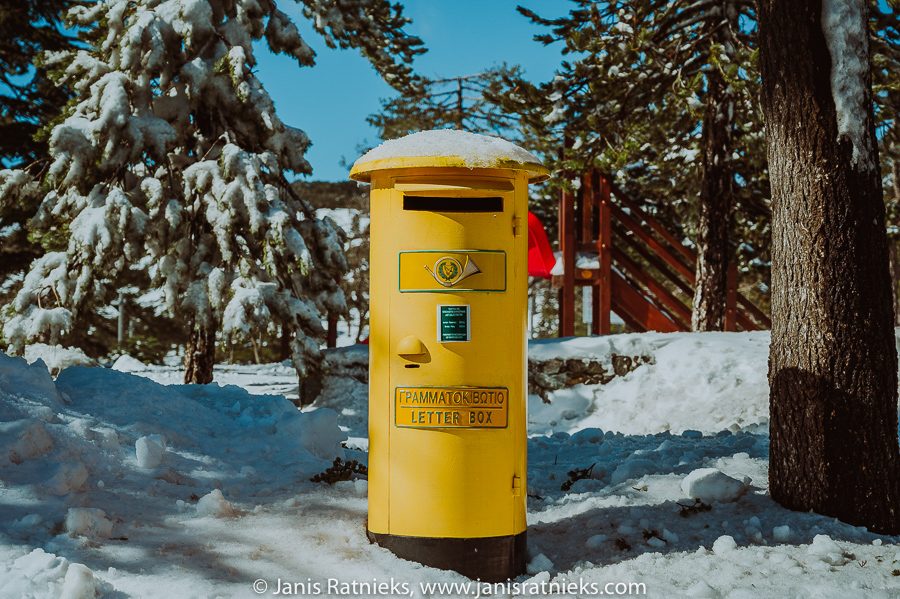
x=171 y=158
x=451 y=102
x=356 y=280
x=833 y=360
x=658 y=86
x=28 y=100
x=353 y=204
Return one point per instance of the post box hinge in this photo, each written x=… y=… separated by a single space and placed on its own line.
x=517 y=226
x=517 y=485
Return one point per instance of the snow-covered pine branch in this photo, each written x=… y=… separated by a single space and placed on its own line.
x=172 y=155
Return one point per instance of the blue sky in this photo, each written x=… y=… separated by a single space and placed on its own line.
x=330 y=101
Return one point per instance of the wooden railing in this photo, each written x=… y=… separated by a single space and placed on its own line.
x=603 y=222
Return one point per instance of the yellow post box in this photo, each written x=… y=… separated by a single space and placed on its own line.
x=447 y=386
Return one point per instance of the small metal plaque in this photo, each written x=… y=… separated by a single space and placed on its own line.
x=454 y=323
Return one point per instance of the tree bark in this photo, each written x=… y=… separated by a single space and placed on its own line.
x=200 y=355
x=832 y=360
x=331 y=334
x=894 y=252
x=284 y=348
x=362 y=324
x=894 y=245
x=716 y=199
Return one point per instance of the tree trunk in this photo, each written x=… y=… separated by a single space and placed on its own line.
x=284 y=348
x=716 y=198
x=832 y=361
x=362 y=324
x=255 y=345
x=894 y=250
x=200 y=355
x=894 y=245
x=331 y=334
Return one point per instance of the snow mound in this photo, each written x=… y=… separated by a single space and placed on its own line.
x=724 y=545
x=40 y=574
x=475 y=150
x=126 y=363
x=633 y=468
x=25 y=439
x=824 y=548
x=712 y=485
x=69 y=477
x=781 y=534
x=540 y=563
x=215 y=504
x=55 y=357
x=149 y=451
x=88 y=522
x=322 y=433
x=79 y=583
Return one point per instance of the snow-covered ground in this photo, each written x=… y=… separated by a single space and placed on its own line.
x=262 y=379
x=115 y=485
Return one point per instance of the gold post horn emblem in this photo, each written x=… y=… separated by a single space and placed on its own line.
x=448 y=271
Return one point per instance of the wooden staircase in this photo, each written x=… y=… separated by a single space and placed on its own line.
x=602 y=222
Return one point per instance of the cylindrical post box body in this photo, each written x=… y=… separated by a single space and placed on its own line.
x=447 y=351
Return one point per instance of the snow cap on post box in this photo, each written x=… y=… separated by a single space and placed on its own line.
x=448 y=148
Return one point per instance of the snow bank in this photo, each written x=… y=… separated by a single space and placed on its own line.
x=475 y=150
x=600 y=348
x=93 y=461
x=25 y=381
x=257 y=379
x=706 y=382
x=703 y=381
x=350 y=399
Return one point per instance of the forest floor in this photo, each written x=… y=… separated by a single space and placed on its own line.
x=115 y=485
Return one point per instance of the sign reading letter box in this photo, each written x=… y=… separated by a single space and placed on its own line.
x=448 y=286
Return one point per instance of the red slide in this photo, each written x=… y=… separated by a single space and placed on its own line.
x=540 y=255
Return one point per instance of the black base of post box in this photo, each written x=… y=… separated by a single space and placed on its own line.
x=491 y=559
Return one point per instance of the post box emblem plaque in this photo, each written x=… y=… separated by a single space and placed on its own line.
x=450 y=270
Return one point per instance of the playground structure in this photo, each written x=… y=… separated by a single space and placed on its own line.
x=598 y=224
